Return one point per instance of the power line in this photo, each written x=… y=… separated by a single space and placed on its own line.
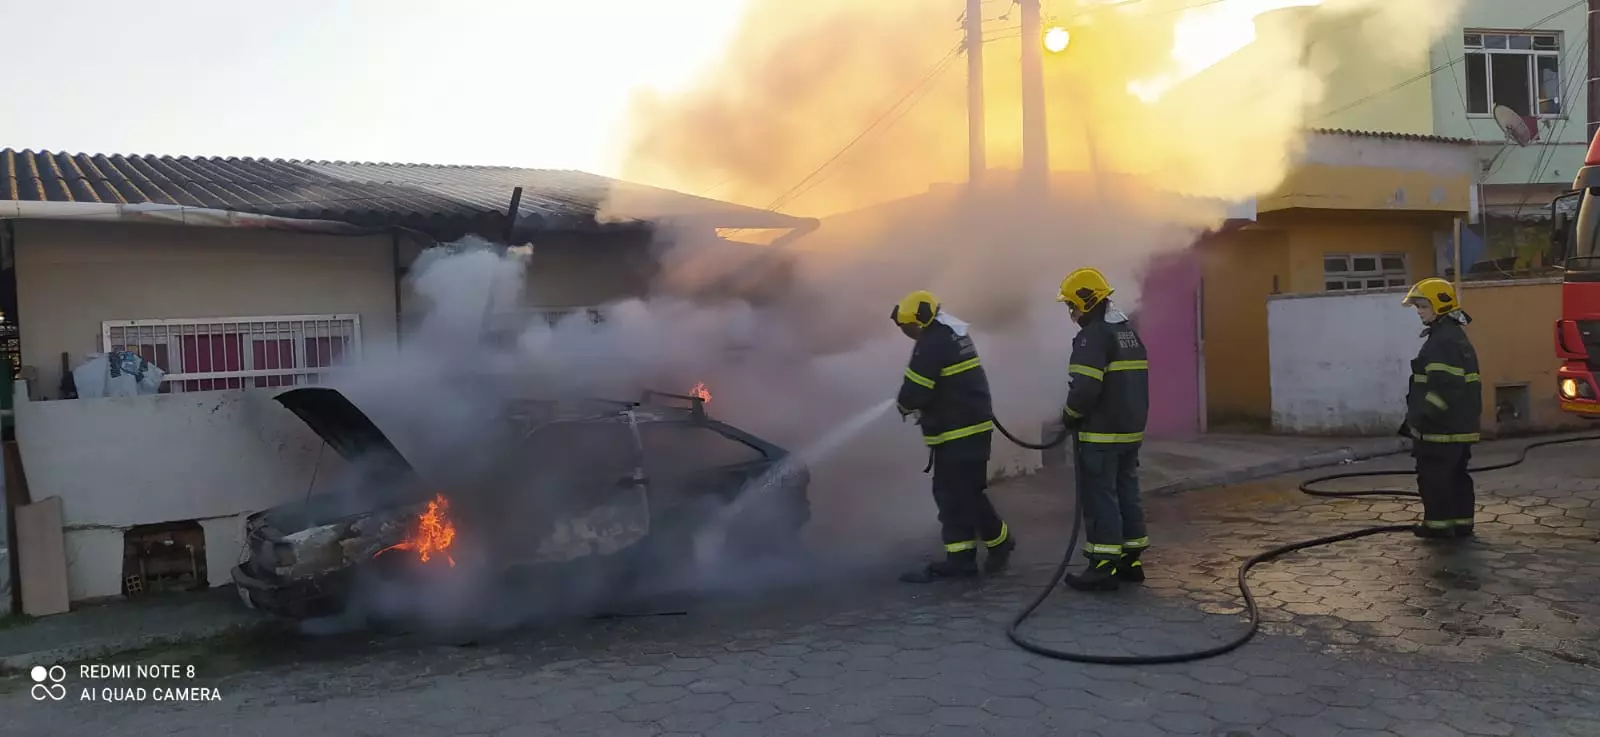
x=1360 y=100
x=1547 y=150
x=1472 y=124
x=916 y=91
x=1447 y=65
x=894 y=113
x=917 y=98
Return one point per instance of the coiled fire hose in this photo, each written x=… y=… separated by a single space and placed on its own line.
x=1244 y=568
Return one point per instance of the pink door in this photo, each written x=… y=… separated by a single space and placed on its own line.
x=1168 y=321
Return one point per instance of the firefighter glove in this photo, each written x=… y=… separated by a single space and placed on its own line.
x=1070 y=420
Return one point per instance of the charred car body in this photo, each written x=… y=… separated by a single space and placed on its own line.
x=624 y=492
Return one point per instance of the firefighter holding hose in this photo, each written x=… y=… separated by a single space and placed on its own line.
x=1442 y=410
x=1107 y=407
x=946 y=389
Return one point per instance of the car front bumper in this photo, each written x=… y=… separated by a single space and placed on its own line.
x=304 y=598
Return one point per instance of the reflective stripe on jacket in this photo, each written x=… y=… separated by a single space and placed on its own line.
x=946 y=383
x=1110 y=379
x=1445 y=400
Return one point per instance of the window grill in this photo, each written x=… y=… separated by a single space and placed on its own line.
x=214 y=353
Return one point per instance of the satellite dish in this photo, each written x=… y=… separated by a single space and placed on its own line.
x=1519 y=129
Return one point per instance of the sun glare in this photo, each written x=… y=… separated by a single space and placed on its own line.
x=1056 y=40
x=1206 y=35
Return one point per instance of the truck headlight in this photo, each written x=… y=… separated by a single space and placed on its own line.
x=1569 y=388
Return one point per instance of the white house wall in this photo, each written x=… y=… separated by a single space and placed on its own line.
x=123 y=461
x=1340 y=364
x=71 y=276
x=207 y=456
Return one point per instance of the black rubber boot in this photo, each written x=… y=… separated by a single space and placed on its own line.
x=1433 y=533
x=1463 y=530
x=1101 y=575
x=1130 y=568
x=1000 y=556
x=952 y=567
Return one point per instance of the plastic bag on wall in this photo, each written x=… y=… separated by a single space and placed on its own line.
x=117 y=374
x=90 y=377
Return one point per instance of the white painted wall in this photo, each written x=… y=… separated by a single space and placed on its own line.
x=124 y=461
x=1340 y=364
x=71 y=276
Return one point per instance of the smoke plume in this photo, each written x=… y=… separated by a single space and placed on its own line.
x=1151 y=134
x=1159 y=112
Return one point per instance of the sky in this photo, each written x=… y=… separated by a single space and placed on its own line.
x=531 y=83
x=537 y=83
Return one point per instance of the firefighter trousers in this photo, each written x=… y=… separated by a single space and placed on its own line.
x=1445 y=485
x=1112 y=510
x=966 y=516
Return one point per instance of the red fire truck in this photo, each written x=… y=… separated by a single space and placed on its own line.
x=1575 y=236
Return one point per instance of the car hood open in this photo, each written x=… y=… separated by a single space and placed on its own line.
x=343 y=427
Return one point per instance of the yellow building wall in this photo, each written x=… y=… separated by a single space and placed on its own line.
x=1284 y=255
x=1313 y=235
x=1330 y=187
x=1239 y=270
x=1511 y=330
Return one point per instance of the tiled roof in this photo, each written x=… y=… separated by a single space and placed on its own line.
x=1391 y=136
x=443 y=200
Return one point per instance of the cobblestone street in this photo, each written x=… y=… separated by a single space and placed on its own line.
x=1381 y=636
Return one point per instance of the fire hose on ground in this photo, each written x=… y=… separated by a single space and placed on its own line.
x=1244 y=568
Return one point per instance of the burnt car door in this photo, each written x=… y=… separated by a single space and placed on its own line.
x=704 y=478
x=573 y=492
x=686 y=461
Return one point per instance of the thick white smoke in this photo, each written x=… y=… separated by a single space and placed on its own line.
x=808 y=359
x=790 y=370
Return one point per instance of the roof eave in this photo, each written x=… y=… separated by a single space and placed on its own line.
x=179 y=215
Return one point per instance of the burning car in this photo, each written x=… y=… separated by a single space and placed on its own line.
x=623 y=491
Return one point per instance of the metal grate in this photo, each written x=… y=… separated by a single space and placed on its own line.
x=212 y=353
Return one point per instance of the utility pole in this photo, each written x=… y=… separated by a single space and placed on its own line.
x=1035 y=153
x=1594 y=69
x=977 y=141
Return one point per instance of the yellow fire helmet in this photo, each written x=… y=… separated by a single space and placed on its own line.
x=1437 y=293
x=1084 y=289
x=918 y=308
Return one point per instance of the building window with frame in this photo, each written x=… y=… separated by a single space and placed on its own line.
x=216 y=353
x=1517 y=69
x=1352 y=272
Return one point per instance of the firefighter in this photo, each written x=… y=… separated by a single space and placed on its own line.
x=1442 y=410
x=946 y=390
x=1107 y=407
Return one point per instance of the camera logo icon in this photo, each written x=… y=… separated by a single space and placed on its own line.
x=47 y=683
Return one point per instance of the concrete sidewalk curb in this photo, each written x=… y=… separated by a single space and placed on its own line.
x=22 y=662
x=1324 y=459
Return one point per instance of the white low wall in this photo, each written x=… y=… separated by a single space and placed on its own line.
x=124 y=461
x=1341 y=364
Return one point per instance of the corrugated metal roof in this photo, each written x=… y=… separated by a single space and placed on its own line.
x=442 y=200
x=1391 y=136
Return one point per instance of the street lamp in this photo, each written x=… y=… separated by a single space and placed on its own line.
x=1056 y=39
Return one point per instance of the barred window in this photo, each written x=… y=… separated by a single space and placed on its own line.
x=214 y=353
